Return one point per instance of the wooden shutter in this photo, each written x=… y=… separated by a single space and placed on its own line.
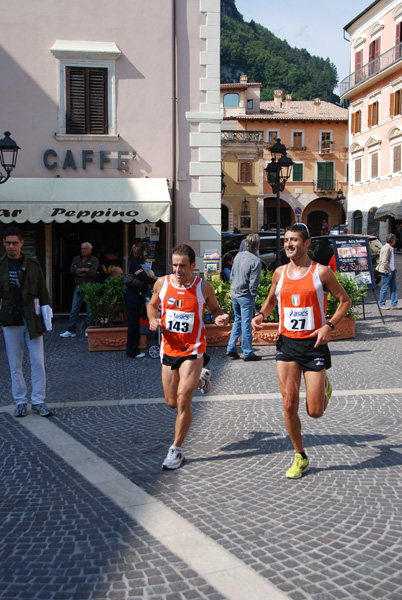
x=397 y=159
x=245 y=172
x=374 y=165
x=86 y=101
x=392 y=112
x=358 y=66
x=373 y=114
x=297 y=139
x=297 y=171
x=358 y=170
x=398 y=36
x=325 y=174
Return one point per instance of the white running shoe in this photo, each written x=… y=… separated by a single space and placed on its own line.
x=67 y=334
x=205 y=378
x=173 y=460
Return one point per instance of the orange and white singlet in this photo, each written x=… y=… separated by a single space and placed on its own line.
x=301 y=302
x=182 y=312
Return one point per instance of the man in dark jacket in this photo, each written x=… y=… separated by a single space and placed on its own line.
x=84 y=269
x=23 y=287
x=246 y=275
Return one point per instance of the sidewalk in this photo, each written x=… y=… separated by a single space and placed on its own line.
x=87 y=512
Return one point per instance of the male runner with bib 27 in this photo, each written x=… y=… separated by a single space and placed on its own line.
x=301 y=288
x=182 y=297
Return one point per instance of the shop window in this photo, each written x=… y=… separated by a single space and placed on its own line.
x=396 y=155
x=356 y=121
x=87 y=92
x=245 y=172
x=297 y=171
x=373 y=114
x=357 y=222
x=395 y=103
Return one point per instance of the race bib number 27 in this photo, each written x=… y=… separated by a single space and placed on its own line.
x=180 y=322
x=299 y=319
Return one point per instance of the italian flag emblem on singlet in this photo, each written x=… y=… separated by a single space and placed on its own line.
x=295 y=300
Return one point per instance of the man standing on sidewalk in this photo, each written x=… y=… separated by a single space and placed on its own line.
x=84 y=269
x=246 y=275
x=301 y=288
x=182 y=297
x=386 y=266
x=23 y=288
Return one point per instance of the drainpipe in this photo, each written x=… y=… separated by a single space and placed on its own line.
x=174 y=128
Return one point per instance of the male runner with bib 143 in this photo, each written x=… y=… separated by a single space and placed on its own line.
x=301 y=288
x=182 y=297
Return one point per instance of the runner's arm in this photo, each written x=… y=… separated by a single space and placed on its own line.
x=269 y=303
x=153 y=305
x=332 y=285
x=219 y=317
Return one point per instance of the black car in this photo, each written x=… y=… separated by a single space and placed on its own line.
x=267 y=252
x=322 y=249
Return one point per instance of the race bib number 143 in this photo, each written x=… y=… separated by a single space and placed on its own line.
x=180 y=322
x=299 y=319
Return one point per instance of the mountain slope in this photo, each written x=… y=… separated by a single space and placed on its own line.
x=250 y=48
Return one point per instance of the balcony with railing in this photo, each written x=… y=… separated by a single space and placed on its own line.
x=367 y=71
x=242 y=136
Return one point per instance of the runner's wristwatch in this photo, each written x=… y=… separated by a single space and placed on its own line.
x=330 y=325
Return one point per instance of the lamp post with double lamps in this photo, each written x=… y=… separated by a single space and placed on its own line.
x=340 y=198
x=8 y=155
x=278 y=172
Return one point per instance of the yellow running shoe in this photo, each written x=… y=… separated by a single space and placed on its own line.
x=300 y=466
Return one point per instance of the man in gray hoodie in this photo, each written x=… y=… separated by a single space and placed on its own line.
x=246 y=275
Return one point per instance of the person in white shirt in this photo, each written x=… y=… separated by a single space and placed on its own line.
x=386 y=266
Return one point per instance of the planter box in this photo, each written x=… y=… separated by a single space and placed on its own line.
x=101 y=339
x=268 y=335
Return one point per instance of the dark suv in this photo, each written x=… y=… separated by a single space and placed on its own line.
x=267 y=250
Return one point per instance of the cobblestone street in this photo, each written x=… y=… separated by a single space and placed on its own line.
x=87 y=512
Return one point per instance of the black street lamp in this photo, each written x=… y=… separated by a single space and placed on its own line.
x=340 y=198
x=8 y=155
x=278 y=172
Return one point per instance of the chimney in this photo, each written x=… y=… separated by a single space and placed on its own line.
x=278 y=97
x=243 y=78
x=288 y=100
x=317 y=103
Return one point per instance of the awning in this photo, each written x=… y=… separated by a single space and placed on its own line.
x=398 y=214
x=84 y=200
x=386 y=210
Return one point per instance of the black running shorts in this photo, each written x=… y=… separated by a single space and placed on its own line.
x=174 y=362
x=303 y=352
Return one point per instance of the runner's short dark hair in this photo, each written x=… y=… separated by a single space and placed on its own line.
x=13 y=231
x=185 y=250
x=300 y=228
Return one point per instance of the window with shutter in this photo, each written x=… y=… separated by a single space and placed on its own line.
x=358 y=66
x=373 y=114
x=396 y=159
x=356 y=121
x=297 y=140
x=358 y=170
x=398 y=40
x=245 y=172
x=325 y=176
x=374 y=56
x=374 y=165
x=395 y=103
x=86 y=110
x=297 y=171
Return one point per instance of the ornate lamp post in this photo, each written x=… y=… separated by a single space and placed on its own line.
x=278 y=172
x=8 y=155
x=340 y=198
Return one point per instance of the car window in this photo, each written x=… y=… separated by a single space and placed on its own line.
x=267 y=245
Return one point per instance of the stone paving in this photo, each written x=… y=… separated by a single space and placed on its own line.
x=333 y=535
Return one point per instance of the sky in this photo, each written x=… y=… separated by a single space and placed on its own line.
x=316 y=25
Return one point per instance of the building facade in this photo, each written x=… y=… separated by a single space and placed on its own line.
x=117 y=112
x=315 y=134
x=374 y=90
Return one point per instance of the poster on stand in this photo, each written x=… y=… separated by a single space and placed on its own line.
x=353 y=259
x=211 y=265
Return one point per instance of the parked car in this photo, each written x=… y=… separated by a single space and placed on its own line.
x=335 y=230
x=322 y=249
x=267 y=246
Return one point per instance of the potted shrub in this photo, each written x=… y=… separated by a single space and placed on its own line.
x=108 y=310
